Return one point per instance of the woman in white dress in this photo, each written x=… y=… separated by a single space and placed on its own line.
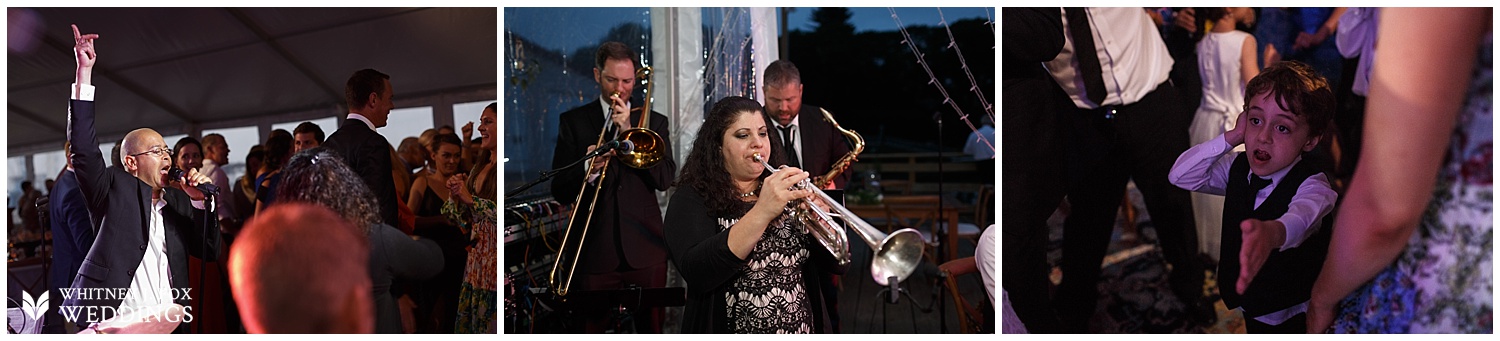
x=1226 y=61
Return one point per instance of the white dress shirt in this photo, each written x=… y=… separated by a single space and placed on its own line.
x=152 y=285
x=796 y=140
x=364 y=119
x=1132 y=57
x=1204 y=168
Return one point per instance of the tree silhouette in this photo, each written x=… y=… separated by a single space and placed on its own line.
x=833 y=21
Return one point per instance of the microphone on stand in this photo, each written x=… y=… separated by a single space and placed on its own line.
x=176 y=174
x=624 y=146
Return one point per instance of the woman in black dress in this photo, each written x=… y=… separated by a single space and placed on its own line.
x=730 y=234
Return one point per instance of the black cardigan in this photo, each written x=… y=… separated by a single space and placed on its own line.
x=701 y=254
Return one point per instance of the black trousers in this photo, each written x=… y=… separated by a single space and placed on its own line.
x=1295 y=325
x=1140 y=142
x=1034 y=137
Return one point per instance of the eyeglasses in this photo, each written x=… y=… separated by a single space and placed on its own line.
x=158 y=151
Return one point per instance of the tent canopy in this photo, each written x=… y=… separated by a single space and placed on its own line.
x=180 y=70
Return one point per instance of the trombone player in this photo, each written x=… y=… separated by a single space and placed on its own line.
x=623 y=244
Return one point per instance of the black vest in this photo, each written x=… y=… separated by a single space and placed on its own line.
x=1287 y=277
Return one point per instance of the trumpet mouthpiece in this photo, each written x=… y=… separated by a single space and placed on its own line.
x=757 y=157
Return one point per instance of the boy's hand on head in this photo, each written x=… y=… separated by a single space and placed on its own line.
x=1258 y=239
x=1236 y=136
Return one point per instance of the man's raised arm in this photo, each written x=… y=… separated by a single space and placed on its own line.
x=88 y=162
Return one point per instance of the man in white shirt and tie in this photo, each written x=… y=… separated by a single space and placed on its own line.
x=1127 y=124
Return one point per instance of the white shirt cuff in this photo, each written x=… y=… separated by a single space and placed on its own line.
x=198 y=204
x=82 y=92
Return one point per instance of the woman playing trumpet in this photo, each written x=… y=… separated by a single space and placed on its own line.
x=732 y=237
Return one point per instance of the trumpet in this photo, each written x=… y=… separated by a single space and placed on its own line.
x=896 y=255
x=647 y=150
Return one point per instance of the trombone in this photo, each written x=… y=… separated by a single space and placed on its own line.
x=648 y=150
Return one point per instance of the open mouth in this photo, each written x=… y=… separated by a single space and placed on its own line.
x=1262 y=156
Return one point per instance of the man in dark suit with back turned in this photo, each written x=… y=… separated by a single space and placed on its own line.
x=368 y=94
x=73 y=231
x=625 y=244
x=147 y=228
x=815 y=145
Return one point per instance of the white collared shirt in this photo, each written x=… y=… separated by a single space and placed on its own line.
x=1204 y=168
x=796 y=139
x=1132 y=57
x=362 y=118
x=604 y=102
x=152 y=284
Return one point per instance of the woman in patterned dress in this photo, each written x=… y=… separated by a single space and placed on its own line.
x=472 y=207
x=731 y=237
x=1411 y=250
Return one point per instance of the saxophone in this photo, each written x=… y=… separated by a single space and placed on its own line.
x=843 y=163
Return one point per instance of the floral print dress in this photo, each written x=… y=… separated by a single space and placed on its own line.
x=1442 y=282
x=476 y=299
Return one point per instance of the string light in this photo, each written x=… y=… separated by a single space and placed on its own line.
x=932 y=78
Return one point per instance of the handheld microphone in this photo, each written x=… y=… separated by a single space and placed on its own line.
x=178 y=175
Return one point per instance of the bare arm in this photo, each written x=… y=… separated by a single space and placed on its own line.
x=414 y=195
x=1415 y=94
x=1248 y=68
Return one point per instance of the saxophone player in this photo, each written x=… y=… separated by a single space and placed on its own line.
x=624 y=246
x=813 y=145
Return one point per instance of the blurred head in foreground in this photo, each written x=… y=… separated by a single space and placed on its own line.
x=291 y=272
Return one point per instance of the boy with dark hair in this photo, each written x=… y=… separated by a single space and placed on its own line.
x=1273 y=201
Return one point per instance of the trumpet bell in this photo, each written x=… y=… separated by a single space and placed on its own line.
x=899 y=255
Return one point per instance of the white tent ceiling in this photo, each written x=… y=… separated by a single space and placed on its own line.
x=181 y=69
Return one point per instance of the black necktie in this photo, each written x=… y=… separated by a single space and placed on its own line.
x=1088 y=58
x=791 y=149
x=1258 y=183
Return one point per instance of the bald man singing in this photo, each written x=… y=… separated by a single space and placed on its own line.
x=151 y=223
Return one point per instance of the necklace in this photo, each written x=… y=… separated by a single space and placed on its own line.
x=747 y=195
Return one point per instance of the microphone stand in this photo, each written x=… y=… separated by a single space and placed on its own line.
x=549 y=174
x=208 y=218
x=942 y=233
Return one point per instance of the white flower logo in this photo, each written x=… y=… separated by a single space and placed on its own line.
x=34 y=307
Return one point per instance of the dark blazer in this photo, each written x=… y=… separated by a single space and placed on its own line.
x=369 y=155
x=821 y=144
x=629 y=210
x=125 y=204
x=73 y=232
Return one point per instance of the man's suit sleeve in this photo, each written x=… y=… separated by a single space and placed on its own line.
x=567 y=184
x=76 y=220
x=88 y=162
